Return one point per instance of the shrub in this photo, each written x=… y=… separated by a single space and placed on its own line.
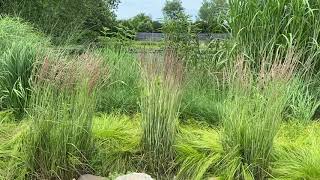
x=59 y=142
x=66 y=21
x=160 y=103
x=21 y=45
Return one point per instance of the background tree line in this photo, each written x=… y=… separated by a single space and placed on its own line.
x=211 y=17
x=86 y=20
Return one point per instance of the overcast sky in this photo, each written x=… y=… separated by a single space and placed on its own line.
x=130 y=8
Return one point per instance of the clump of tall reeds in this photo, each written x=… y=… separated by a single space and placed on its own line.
x=20 y=46
x=160 y=102
x=258 y=26
x=59 y=142
x=253 y=113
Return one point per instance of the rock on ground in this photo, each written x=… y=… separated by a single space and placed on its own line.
x=135 y=176
x=91 y=177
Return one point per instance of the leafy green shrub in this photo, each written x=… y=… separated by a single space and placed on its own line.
x=21 y=45
x=160 y=103
x=59 y=142
x=66 y=21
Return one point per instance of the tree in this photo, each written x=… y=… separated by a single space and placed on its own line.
x=142 y=23
x=213 y=13
x=173 y=9
x=157 y=26
x=60 y=18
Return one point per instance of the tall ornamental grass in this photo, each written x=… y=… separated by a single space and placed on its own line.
x=160 y=103
x=59 y=142
x=20 y=46
x=252 y=115
x=258 y=26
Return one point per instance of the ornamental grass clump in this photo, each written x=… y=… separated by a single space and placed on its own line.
x=258 y=26
x=160 y=102
x=59 y=141
x=253 y=113
x=20 y=46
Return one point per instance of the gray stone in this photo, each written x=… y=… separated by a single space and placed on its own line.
x=91 y=177
x=135 y=176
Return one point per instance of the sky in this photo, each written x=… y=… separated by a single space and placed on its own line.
x=153 y=8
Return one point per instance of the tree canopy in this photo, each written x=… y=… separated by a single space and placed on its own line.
x=173 y=9
x=213 y=14
x=60 y=17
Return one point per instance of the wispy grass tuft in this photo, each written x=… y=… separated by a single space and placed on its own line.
x=12 y=160
x=160 y=103
x=117 y=139
x=297 y=151
x=59 y=142
x=303 y=103
x=252 y=115
x=199 y=151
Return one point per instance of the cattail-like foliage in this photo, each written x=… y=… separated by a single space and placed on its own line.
x=259 y=26
x=59 y=142
x=160 y=102
x=253 y=113
x=20 y=46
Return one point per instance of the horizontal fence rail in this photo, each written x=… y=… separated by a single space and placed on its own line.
x=142 y=36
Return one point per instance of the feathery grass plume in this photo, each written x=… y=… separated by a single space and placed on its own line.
x=20 y=46
x=59 y=142
x=117 y=139
x=199 y=150
x=160 y=103
x=253 y=113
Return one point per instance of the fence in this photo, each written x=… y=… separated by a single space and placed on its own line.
x=142 y=36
